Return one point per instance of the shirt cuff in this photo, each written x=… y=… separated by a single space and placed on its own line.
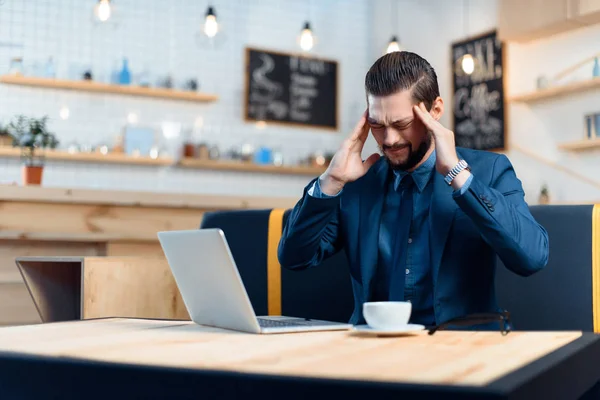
x=463 y=188
x=315 y=191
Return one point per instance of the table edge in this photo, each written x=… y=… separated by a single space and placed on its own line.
x=241 y=379
x=543 y=376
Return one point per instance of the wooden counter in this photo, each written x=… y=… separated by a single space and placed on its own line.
x=38 y=221
x=453 y=361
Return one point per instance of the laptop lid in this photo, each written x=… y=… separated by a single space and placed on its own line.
x=208 y=279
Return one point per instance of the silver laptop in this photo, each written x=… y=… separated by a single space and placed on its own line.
x=212 y=289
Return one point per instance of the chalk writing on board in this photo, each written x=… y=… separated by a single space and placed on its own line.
x=291 y=89
x=478 y=98
x=303 y=86
x=264 y=91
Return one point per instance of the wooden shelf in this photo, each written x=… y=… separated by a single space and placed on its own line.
x=581 y=145
x=119 y=158
x=250 y=167
x=111 y=158
x=91 y=86
x=557 y=91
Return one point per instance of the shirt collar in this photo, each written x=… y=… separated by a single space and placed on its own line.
x=421 y=175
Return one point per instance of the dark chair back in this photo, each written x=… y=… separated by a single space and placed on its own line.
x=564 y=295
x=323 y=292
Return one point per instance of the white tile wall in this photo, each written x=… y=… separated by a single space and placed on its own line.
x=162 y=37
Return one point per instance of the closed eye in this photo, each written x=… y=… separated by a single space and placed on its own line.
x=402 y=126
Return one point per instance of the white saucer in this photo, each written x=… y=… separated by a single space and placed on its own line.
x=404 y=330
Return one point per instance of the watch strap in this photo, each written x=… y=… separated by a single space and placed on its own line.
x=458 y=168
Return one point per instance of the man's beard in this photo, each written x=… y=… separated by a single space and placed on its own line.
x=414 y=157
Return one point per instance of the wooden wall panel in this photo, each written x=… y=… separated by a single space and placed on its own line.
x=131 y=287
x=108 y=222
x=16 y=306
x=130 y=249
x=10 y=249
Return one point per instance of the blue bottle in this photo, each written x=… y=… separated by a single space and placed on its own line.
x=125 y=75
x=50 y=71
x=596 y=71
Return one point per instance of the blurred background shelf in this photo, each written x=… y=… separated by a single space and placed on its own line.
x=110 y=158
x=250 y=167
x=557 y=91
x=91 y=86
x=120 y=158
x=581 y=145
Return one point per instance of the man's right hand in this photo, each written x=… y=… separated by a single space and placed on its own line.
x=347 y=165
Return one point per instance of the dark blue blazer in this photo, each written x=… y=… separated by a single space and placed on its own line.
x=467 y=234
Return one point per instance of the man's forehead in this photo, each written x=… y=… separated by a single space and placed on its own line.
x=395 y=107
x=377 y=114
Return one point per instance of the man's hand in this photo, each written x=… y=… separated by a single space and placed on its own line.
x=445 y=147
x=347 y=165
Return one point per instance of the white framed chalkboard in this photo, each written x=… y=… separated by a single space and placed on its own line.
x=291 y=89
x=478 y=101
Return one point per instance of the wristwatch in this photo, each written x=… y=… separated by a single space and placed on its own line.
x=458 y=168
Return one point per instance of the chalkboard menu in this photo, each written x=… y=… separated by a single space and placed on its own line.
x=478 y=99
x=291 y=89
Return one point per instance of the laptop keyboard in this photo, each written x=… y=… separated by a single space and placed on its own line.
x=274 y=323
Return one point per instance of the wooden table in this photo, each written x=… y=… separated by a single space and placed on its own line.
x=178 y=359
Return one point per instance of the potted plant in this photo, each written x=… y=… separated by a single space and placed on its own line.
x=5 y=137
x=544 y=195
x=33 y=137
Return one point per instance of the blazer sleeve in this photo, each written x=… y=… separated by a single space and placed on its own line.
x=311 y=233
x=503 y=218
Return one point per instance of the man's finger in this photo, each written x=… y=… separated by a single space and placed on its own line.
x=371 y=160
x=424 y=115
x=364 y=132
x=360 y=127
x=357 y=143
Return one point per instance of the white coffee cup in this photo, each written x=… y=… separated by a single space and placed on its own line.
x=387 y=314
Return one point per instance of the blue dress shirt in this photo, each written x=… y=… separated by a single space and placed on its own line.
x=418 y=284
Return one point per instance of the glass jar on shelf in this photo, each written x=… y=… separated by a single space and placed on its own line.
x=16 y=66
x=277 y=156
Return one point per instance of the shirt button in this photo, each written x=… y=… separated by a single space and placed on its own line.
x=407 y=271
x=409 y=240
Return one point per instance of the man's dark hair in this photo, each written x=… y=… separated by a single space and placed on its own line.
x=402 y=70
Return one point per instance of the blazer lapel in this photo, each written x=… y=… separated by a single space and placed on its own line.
x=442 y=211
x=371 y=205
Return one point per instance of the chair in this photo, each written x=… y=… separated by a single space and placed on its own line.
x=565 y=295
x=324 y=292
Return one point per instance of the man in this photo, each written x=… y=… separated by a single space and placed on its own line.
x=423 y=223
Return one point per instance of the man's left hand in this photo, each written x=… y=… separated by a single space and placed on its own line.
x=445 y=148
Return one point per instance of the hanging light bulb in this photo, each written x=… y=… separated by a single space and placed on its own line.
x=393 y=45
x=468 y=64
x=306 y=38
x=103 y=10
x=64 y=113
x=211 y=27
